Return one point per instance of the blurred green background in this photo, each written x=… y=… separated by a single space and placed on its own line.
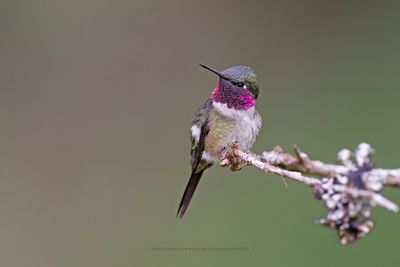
x=96 y=99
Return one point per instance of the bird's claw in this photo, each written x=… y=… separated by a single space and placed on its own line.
x=229 y=158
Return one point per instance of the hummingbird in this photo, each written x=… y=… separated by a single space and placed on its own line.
x=228 y=115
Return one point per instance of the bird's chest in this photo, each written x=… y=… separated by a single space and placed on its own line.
x=231 y=124
x=245 y=131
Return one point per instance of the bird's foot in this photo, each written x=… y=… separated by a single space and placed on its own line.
x=230 y=158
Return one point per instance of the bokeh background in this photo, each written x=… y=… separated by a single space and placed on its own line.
x=96 y=99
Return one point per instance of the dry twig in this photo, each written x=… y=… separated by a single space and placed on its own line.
x=350 y=190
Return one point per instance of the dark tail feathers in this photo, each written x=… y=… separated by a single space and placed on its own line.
x=189 y=191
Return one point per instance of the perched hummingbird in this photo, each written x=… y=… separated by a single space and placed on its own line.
x=228 y=115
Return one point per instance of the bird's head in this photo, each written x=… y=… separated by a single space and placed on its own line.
x=237 y=86
x=238 y=78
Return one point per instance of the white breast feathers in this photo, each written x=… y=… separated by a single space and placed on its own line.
x=248 y=124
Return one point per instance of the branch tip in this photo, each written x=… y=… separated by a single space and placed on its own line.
x=350 y=190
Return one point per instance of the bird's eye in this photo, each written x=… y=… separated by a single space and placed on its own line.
x=240 y=84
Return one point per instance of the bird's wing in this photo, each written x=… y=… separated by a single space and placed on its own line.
x=199 y=132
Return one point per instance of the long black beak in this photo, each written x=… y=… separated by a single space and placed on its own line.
x=214 y=71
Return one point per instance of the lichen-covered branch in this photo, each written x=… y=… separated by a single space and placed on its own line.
x=350 y=190
x=300 y=162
